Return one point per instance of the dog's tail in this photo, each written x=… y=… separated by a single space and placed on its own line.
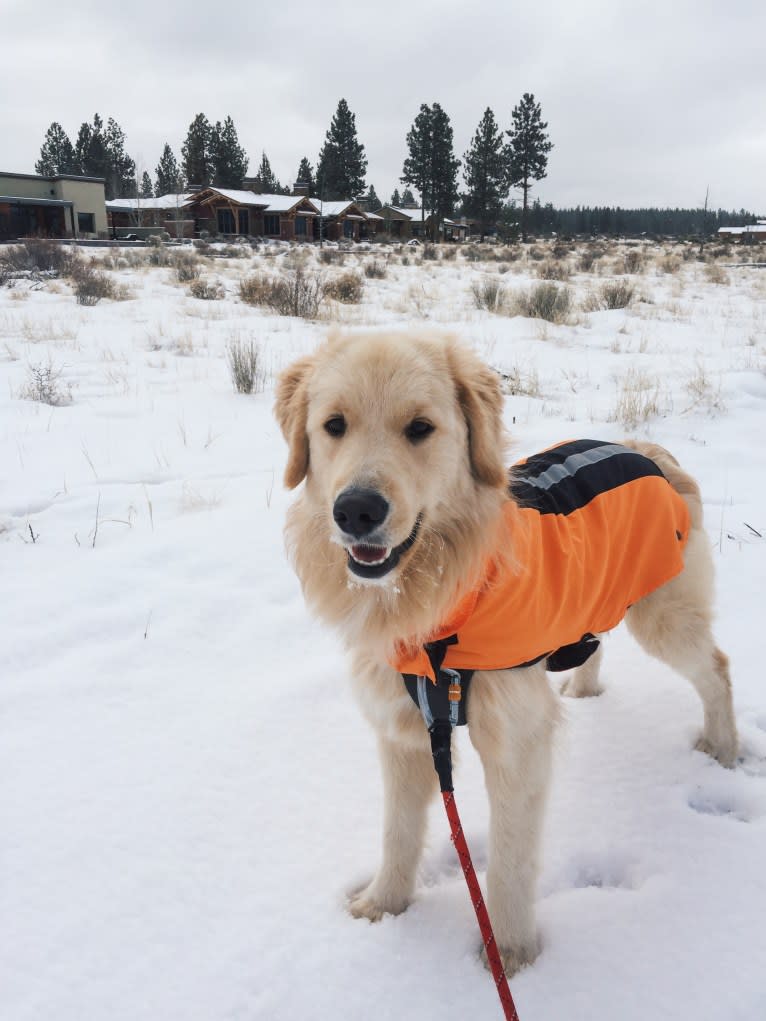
x=674 y=473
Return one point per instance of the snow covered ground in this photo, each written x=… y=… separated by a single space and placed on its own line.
x=188 y=791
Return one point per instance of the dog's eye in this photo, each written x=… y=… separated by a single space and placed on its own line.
x=418 y=429
x=335 y=426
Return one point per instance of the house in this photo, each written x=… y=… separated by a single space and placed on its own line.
x=62 y=206
x=752 y=232
x=404 y=223
x=247 y=213
x=345 y=220
x=146 y=216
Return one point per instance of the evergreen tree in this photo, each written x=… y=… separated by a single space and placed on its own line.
x=431 y=166
x=408 y=199
x=229 y=158
x=342 y=162
x=372 y=200
x=265 y=181
x=56 y=153
x=527 y=151
x=89 y=150
x=168 y=176
x=146 y=191
x=100 y=152
x=485 y=173
x=120 y=169
x=396 y=199
x=197 y=152
x=306 y=174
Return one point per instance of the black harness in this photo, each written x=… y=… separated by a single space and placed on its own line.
x=447 y=699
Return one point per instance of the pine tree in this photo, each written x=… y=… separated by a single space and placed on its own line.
x=485 y=173
x=146 y=191
x=197 y=152
x=306 y=174
x=396 y=199
x=229 y=158
x=120 y=169
x=100 y=152
x=408 y=199
x=527 y=151
x=167 y=174
x=431 y=166
x=265 y=180
x=56 y=153
x=342 y=162
x=372 y=201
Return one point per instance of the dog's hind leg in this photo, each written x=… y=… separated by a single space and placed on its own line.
x=511 y=719
x=674 y=625
x=409 y=783
x=584 y=681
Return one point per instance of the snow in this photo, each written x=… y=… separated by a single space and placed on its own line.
x=188 y=790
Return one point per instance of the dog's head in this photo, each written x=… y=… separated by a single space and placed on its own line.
x=390 y=432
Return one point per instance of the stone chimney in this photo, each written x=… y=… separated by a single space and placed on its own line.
x=301 y=188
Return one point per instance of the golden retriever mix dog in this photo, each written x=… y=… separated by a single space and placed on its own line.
x=406 y=508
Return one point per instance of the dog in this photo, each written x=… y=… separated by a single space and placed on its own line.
x=405 y=515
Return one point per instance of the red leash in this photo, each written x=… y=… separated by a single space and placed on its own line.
x=441 y=734
x=485 y=926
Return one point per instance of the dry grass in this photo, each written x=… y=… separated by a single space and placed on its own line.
x=638 y=399
x=544 y=301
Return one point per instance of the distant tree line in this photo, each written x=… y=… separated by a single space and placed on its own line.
x=497 y=161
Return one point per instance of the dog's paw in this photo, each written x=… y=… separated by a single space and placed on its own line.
x=367 y=903
x=724 y=752
x=514 y=960
x=574 y=688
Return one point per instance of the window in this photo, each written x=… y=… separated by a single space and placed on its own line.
x=348 y=229
x=225 y=221
x=86 y=223
x=271 y=224
x=244 y=221
x=300 y=226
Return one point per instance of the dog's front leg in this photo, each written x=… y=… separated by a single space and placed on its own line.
x=409 y=782
x=511 y=722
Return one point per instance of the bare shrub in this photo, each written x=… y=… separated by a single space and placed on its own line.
x=554 y=269
x=187 y=267
x=430 y=253
x=716 y=274
x=535 y=253
x=347 y=288
x=516 y=382
x=638 y=399
x=331 y=256
x=670 y=263
x=544 y=301
x=91 y=285
x=487 y=293
x=633 y=261
x=295 y=294
x=245 y=366
x=207 y=290
x=376 y=269
x=449 y=253
x=44 y=384
x=617 y=294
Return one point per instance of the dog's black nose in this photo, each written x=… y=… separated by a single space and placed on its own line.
x=358 y=512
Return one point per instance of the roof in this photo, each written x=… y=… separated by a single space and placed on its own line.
x=334 y=208
x=267 y=202
x=52 y=177
x=751 y=228
x=169 y=201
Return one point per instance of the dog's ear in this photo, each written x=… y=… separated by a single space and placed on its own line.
x=481 y=400
x=291 y=411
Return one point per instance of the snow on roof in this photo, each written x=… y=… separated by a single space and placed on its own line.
x=332 y=208
x=751 y=228
x=269 y=203
x=411 y=212
x=169 y=201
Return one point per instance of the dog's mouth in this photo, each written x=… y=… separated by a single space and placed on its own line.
x=368 y=561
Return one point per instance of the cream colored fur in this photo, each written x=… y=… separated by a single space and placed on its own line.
x=455 y=482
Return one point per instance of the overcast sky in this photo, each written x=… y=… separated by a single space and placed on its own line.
x=647 y=103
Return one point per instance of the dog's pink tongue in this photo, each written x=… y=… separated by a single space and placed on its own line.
x=368 y=554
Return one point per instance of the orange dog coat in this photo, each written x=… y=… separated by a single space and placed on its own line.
x=594 y=527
